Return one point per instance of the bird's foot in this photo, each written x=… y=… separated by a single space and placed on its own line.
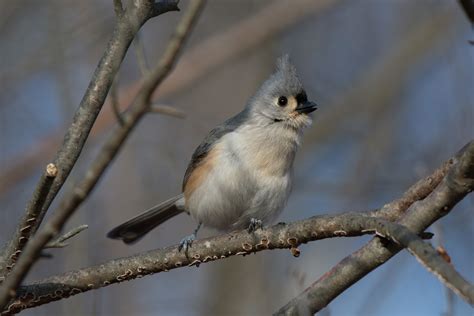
x=186 y=243
x=254 y=225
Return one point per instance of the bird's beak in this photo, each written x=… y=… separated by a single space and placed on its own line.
x=306 y=107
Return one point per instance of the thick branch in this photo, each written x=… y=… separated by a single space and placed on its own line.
x=125 y=29
x=280 y=236
x=458 y=182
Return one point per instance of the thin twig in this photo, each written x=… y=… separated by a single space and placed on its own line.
x=449 y=295
x=141 y=55
x=114 y=100
x=60 y=241
x=167 y=110
x=33 y=210
x=110 y=149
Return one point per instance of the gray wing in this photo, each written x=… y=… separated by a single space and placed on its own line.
x=203 y=149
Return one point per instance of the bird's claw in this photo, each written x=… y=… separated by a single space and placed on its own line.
x=186 y=243
x=254 y=225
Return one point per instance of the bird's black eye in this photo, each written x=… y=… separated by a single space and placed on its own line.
x=282 y=101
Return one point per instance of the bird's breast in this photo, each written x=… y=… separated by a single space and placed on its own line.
x=264 y=151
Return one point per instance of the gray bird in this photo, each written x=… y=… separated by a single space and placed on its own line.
x=240 y=176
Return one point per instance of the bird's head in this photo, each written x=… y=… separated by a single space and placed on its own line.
x=282 y=98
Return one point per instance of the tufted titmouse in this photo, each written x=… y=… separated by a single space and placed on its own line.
x=240 y=175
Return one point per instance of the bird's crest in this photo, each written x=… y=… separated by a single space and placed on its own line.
x=286 y=74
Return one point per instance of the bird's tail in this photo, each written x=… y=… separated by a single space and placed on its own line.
x=134 y=229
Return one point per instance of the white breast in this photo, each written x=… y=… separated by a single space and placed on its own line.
x=250 y=178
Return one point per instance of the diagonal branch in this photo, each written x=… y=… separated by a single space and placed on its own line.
x=238 y=243
x=454 y=187
x=430 y=258
x=126 y=27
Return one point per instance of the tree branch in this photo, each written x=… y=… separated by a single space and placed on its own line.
x=141 y=12
x=125 y=29
x=140 y=55
x=114 y=100
x=430 y=258
x=33 y=209
x=167 y=110
x=238 y=243
x=118 y=8
x=60 y=241
x=280 y=236
x=458 y=182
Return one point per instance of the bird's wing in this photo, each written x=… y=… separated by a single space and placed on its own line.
x=211 y=139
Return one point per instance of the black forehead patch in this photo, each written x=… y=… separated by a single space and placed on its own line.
x=301 y=97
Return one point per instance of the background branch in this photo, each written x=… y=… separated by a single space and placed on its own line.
x=167 y=110
x=141 y=55
x=114 y=102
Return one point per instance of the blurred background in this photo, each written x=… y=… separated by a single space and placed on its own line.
x=395 y=83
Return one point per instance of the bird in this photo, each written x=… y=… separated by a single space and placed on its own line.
x=240 y=176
